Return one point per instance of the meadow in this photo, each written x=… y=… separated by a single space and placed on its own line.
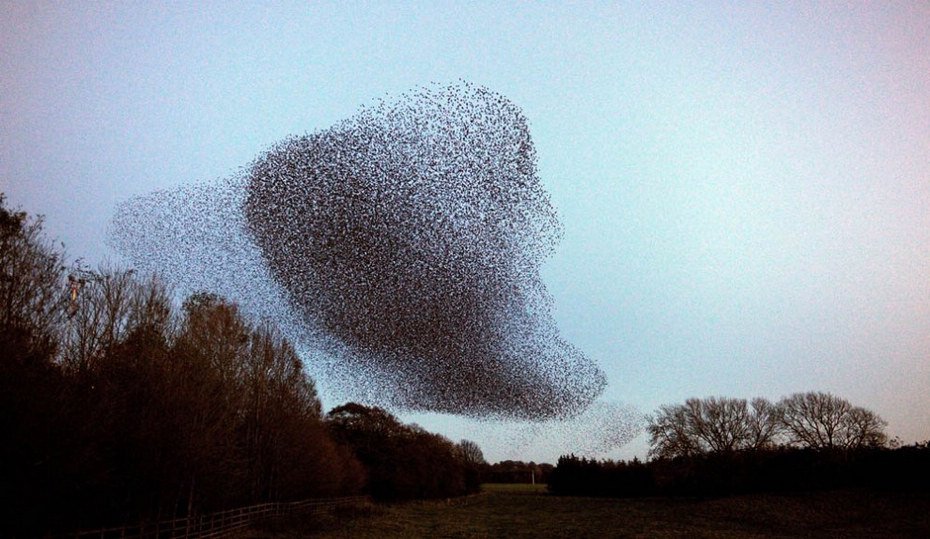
x=529 y=511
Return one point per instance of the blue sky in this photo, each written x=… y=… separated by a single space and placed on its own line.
x=745 y=187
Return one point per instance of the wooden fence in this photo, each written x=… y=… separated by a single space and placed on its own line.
x=222 y=523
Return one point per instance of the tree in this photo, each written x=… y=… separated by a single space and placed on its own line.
x=32 y=388
x=31 y=287
x=116 y=408
x=287 y=449
x=472 y=457
x=864 y=428
x=764 y=424
x=517 y=471
x=711 y=425
x=470 y=453
x=824 y=421
x=375 y=437
x=671 y=434
x=715 y=425
x=104 y=306
x=719 y=423
x=402 y=461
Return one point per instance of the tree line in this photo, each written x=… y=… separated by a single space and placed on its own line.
x=717 y=446
x=813 y=420
x=516 y=471
x=118 y=406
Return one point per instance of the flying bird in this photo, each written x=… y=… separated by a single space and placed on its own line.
x=406 y=243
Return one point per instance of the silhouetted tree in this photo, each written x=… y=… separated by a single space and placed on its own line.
x=104 y=305
x=516 y=471
x=470 y=453
x=31 y=286
x=815 y=420
x=763 y=424
x=116 y=408
x=671 y=433
x=288 y=451
x=401 y=461
x=33 y=391
x=824 y=421
x=713 y=424
x=574 y=476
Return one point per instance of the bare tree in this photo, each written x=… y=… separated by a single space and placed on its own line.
x=670 y=433
x=208 y=358
x=150 y=308
x=470 y=453
x=764 y=424
x=32 y=292
x=823 y=421
x=280 y=408
x=713 y=424
x=864 y=428
x=101 y=307
x=719 y=423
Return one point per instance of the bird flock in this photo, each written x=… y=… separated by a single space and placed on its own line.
x=399 y=248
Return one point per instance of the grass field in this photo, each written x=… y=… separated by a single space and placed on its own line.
x=527 y=511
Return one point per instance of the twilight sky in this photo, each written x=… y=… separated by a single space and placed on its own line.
x=745 y=187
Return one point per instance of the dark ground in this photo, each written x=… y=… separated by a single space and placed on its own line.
x=525 y=511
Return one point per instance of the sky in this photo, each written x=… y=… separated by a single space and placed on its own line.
x=744 y=186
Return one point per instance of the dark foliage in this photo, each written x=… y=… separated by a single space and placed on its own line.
x=515 y=471
x=116 y=408
x=783 y=469
x=472 y=458
x=574 y=476
x=402 y=461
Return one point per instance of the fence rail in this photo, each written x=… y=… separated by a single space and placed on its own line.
x=222 y=523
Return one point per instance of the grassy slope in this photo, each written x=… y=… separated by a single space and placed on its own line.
x=507 y=511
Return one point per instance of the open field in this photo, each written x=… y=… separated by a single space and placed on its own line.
x=525 y=511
